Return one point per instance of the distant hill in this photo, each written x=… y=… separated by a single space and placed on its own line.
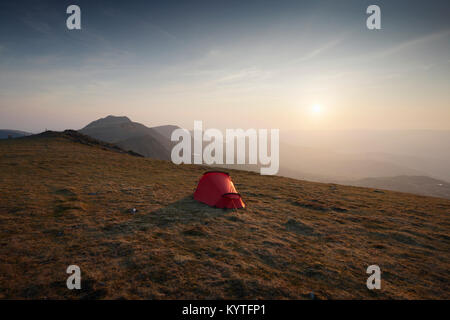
x=147 y=145
x=108 y=121
x=165 y=131
x=411 y=184
x=68 y=199
x=5 y=133
x=150 y=142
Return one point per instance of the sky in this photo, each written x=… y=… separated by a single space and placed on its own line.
x=296 y=65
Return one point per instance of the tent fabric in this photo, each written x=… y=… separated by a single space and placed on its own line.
x=216 y=189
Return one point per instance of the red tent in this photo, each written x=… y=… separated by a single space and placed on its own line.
x=216 y=189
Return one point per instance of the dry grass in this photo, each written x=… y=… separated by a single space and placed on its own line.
x=65 y=203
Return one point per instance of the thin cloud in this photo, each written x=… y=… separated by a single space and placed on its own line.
x=419 y=41
x=316 y=52
x=244 y=75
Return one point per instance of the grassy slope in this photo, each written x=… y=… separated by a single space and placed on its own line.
x=65 y=203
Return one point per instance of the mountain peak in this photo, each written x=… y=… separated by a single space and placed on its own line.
x=107 y=121
x=121 y=118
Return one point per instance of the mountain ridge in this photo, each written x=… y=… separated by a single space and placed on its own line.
x=8 y=133
x=150 y=142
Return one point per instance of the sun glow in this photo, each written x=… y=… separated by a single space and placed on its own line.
x=316 y=109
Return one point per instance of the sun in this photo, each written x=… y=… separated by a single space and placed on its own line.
x=316 y=109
